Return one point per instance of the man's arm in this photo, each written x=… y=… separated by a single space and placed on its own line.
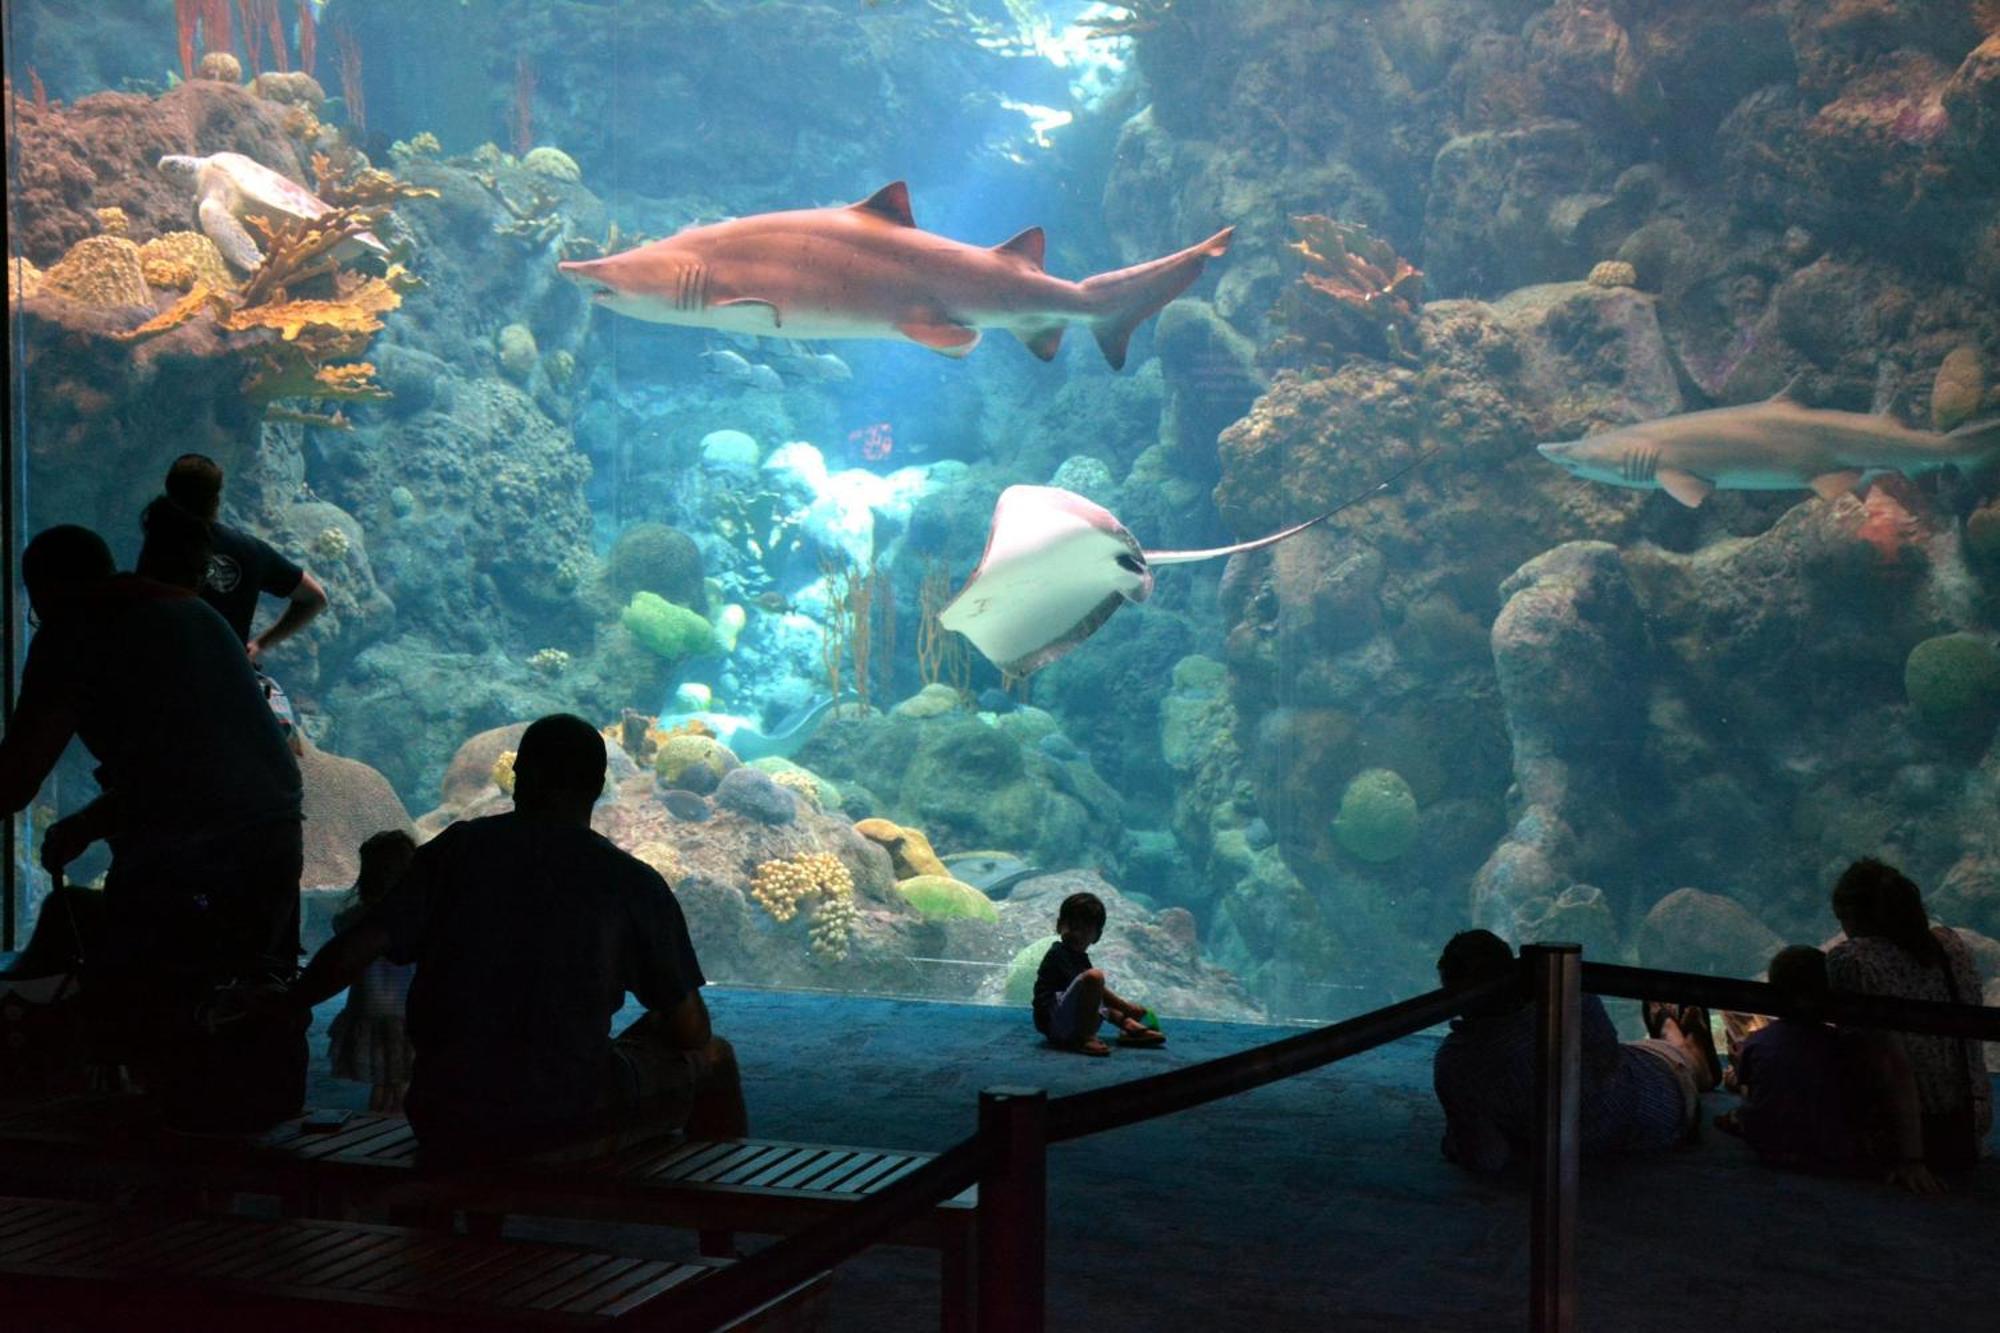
x=306 y=601
x=339 y=963
x=687 y=1023
x=36 y=736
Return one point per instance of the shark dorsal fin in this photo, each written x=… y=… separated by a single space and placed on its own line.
x=891 y=203
x=1029 y=245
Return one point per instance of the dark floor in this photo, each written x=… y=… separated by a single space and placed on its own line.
x=1321 y=1202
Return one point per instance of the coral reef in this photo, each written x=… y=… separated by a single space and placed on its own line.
x=942 y=898
x=1378 y=816
x=909 y=850
x=100 y=271
x=693 y=763
x=655 y=558
x=1953 y=684
x=668 y=631
x=1613 y=273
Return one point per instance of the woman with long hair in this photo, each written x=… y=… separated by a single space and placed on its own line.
x=1893 y=949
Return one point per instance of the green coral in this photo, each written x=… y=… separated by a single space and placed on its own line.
x=940 y=898
x=1953 y=683
x=1021 y=971
x=667 y=630
x=1378 y=816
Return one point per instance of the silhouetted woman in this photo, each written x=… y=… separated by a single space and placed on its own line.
x=1892 y=949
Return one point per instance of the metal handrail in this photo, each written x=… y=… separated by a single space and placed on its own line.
x=1121 y=1104
x=1929 y=1017
x=742 y=1288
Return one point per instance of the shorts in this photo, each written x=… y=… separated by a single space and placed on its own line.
x=1068 y=1021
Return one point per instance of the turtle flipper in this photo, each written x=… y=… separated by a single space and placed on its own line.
x=229 y=235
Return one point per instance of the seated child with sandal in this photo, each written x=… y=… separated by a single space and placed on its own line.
x=1071 y=999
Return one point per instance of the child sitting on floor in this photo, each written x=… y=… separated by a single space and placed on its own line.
x=1071 y=999
x=1819 y=1099
x=367 y=1042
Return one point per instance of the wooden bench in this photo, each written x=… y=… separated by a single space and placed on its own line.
x=758 y=1186
x=371 y=1164
x=82 y=1265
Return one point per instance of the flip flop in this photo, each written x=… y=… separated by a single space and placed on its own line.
x=1143 y=1037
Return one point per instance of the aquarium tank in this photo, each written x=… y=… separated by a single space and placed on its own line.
x=1318 y=474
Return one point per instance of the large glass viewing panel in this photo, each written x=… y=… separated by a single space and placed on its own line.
x=483 y=309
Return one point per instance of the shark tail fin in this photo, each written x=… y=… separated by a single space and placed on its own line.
x=1125 y=299
x=1981 y=442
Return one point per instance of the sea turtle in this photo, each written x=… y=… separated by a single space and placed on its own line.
x=229 y=187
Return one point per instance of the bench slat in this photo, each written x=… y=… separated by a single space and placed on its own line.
x=583 y=1285
x=862 y=1181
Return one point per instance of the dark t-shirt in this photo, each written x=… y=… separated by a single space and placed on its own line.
x=1797 y=1106
x=1060 y=966
x=241 y=568
x=168 y=704
x=527 y=934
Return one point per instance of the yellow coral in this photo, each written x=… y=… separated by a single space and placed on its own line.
x=167 y=273
x=23 y=280
x=100 y=271
x=780 y=886
x=197 y=253
x=113 y=220
x=1613 y=273
x=503 y=772
x=549 y=661
x=425 y=144
x=802 y=782
x=681 y=751
x=330 y=546
x=356 y=312
x=516 y=345
x=295 y=86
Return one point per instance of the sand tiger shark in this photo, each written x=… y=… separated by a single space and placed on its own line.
x=868 y=271
x=1057 y=565
x=1776 y=445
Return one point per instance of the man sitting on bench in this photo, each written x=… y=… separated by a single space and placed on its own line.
x=527 y=929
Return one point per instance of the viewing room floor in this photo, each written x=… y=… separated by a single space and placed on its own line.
x=1321 y=1202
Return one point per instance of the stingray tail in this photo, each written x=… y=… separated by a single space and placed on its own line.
x=1217 y=552
x=1123 y=300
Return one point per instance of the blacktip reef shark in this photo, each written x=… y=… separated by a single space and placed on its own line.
x=750 y=741
x=868 y=271
x=1057 y=565
x=1775 y=445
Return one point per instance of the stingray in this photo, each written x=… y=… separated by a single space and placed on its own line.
x=1057 y=565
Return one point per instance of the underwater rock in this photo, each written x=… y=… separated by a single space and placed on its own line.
x=695 y=763
x=1570 y=648
x=101 y=151
x=909 y=850
x=755 y=795
x=346 y=802
x=934 y=700
x=1579 y=914
x=730 y=451
x=553 y=163
x=1508 y=208
x=1692 y=931
x=1953 y=684
x=1089 y=477
x=470 y=774
x=291 y=87
x=685 y=805
x=1959 y=388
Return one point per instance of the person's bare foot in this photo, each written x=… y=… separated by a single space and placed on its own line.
x=1091 y=1046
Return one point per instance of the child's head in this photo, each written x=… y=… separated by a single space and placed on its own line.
x=1080 y=919
x=384 y=858
x=1800 y=972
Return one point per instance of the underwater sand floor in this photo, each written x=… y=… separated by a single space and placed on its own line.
x=1321 y=1202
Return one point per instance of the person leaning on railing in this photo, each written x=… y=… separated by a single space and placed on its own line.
x=1635 y=1096
x=1892 y=949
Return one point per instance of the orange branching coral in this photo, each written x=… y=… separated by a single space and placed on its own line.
x=293 y=377
x=1356 y=294
x=200 y=300
x=355 y=311
x=371 y=187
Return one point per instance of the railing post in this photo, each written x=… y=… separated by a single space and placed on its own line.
x=1012 y=1221
x=1555 y=977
